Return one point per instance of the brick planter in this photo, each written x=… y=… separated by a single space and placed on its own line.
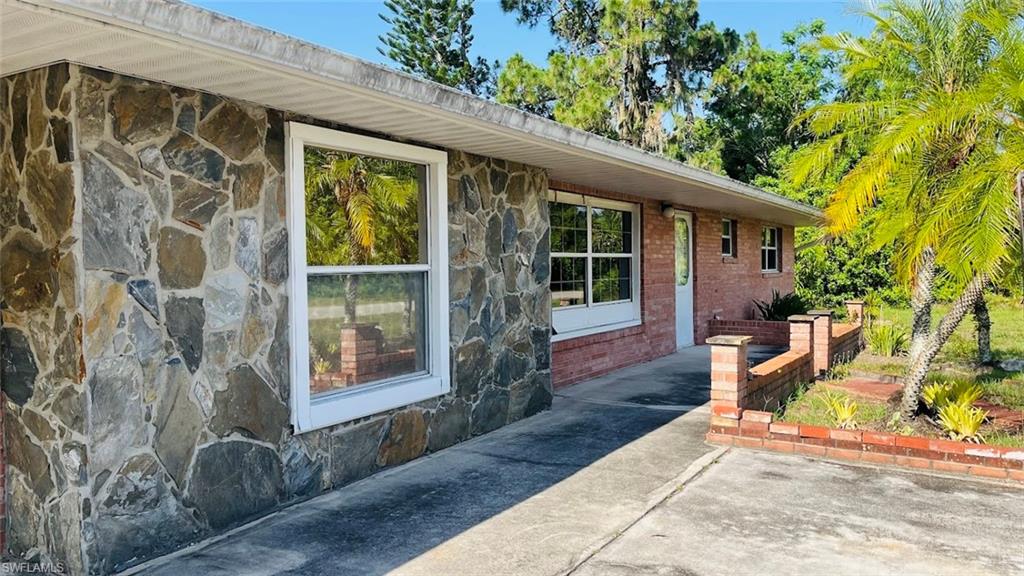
x=756 y=429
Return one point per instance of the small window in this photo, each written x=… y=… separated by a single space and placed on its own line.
x=594 y=264
x=369 y=275
x=771 y=249
x=729 y=238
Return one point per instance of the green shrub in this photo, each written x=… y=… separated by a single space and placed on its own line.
x=887 y=340
x=781 y=307
x=941 y=394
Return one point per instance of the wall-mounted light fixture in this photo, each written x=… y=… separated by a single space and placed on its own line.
x=667 y=210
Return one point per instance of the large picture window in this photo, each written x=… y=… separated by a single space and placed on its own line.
x=595 y=266
x=369 y=278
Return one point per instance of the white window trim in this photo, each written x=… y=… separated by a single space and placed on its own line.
x=593 y=318
x=731 y=236
x=777 y=249
x=312 y=413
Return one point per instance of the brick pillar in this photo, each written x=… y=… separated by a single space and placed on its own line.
x=801 y=334
x=728 y=378
x=855 y=311
x=822 y=340
x=360 y=352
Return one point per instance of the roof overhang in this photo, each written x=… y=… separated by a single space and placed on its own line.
x=183 y=45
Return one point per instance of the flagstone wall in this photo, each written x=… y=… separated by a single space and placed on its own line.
x=145 y=345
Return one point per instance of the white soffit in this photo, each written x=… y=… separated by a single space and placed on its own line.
x=179 y=44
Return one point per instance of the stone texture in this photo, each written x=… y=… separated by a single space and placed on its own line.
x=354 y=451
x=139 y=514
x=118 y=423
x=178 y=424
x=405 y=439
x=231 y=129
x=185 y=320
x=225 y=301
x=115 y=221
x=28 y=458
x=28 y=277
x=181 y=259
x=18 y=369
x=247 y=254
x=248 y=184
x=188 y=156
x=471 y=367
x=140 y=113
x=275 y=257
x=302 y=474
x=491 y=412
x=249 y=407
x=234 y=481
x=51 y=196
x=69 y=408
x=195 y=204
x=144 y=292
x=449 y=425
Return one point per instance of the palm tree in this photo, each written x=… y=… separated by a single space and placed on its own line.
x=357 y=211
x=920 y=125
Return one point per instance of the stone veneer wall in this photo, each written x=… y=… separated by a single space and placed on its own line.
x=161 y=404
x=41 y=357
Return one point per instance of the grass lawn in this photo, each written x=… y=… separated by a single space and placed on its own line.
x=956 y=361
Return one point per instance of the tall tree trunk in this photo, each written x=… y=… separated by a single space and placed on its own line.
x=921 y=301
x=1020 y=215
x=934 y=343
x=351 y=297
x=983 y=325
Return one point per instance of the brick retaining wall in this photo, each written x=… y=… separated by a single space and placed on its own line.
x=757 y=429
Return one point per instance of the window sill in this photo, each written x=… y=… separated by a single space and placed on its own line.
x=726 y=259
x=770 y=273
x=595 y=330
x=347 y=405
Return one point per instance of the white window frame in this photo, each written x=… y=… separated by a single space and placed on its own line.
x=595 y=317
x=311 y=413
x=731 y=236
x=777 y=249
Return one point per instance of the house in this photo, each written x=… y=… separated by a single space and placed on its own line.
x=192 y=333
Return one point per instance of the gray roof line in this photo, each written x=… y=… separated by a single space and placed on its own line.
x=179 y=21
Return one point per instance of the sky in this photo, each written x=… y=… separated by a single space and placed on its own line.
x=352 y=26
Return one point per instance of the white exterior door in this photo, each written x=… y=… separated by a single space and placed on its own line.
x=684 y=279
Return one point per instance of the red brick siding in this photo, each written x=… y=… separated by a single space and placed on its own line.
x=723 y=285
x=726 y=287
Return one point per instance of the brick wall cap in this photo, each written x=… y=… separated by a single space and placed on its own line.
x=728 y=340
x=820 y=312
x=854 y=302
x=801 y=318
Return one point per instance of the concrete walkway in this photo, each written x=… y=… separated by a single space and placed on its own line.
x=596 y=486
x=535 y=497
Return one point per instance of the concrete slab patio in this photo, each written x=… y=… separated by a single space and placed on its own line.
x=595 y=486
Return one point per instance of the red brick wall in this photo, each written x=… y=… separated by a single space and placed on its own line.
x=726 y=285
x=765 y=332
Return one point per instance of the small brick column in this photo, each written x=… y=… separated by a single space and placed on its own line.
x=728 y=378
x=822 y=340
x=801 y=334
x=855 y=311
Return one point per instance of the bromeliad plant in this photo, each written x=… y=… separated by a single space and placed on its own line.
x=962 y=421
x=941 y=394
x=842 y=411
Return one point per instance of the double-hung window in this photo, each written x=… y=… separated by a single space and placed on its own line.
x=729 y=238
x=595 y=264
x=771 y=249
x=369 y=276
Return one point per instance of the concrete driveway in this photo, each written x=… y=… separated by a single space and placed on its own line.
x=616 y=478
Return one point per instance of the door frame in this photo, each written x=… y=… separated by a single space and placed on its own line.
x=690 y=340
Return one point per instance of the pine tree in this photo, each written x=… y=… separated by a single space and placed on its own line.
x=432 y=39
